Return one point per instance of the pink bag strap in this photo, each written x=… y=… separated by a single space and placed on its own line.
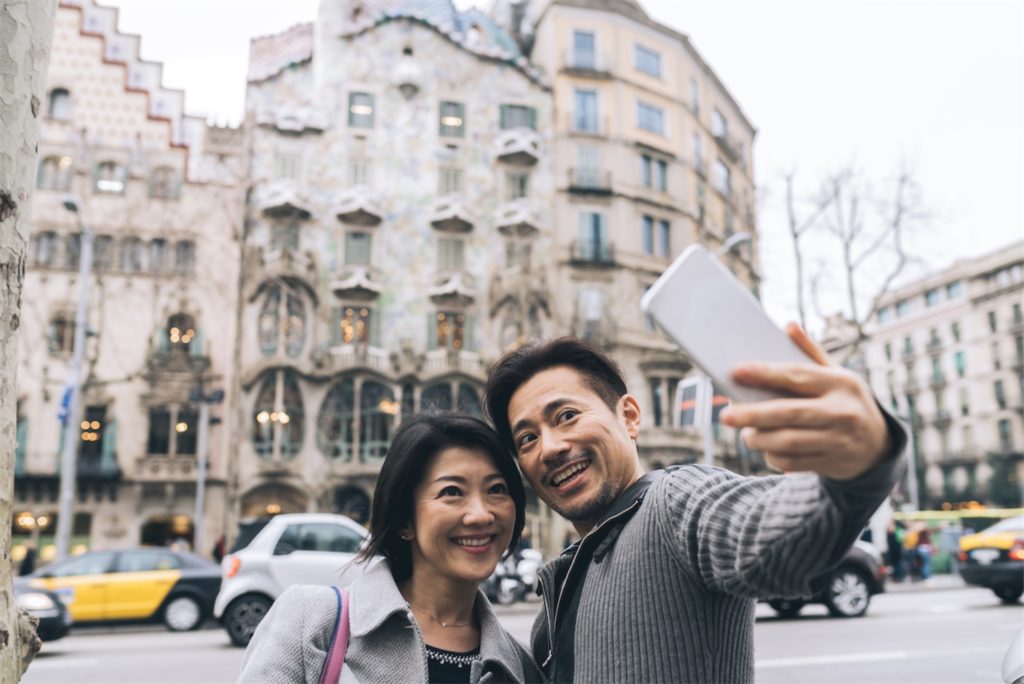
x=331 y=672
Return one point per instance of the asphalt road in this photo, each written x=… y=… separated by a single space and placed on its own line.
x=934 y=636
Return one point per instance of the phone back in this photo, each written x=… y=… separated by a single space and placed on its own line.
x=716 y=321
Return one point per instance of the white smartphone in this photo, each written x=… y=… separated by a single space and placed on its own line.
x=717 y=321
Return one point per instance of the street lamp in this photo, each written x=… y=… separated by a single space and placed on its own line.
x=72 y=402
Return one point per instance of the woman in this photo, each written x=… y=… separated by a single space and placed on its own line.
x=449 y=503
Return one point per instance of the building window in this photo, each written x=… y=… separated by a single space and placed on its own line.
x=449 y=180
x=72 y=251
x=661 y=175
x=908 y=345
x=282 y=323
x=694 y=96
x=61 y=337
x=110 y=177
x=650 y=118
x=184 y=257
x=590 y=312
x=172 y=431
x=360 y=110
x=159 y=440
x=91 y=439
x=358 y=249
x=164 y=183
x=60 y=104
x=354 y=325
x=377 y=411
x=585 y=111
x=278 y=416
x=937 y=375
x=593 y=245
x=359 y=171
x=954 y=290
x=453 y=120
x=1000 y=394
x=584 y=53
x=723 y=178
x=449 y=330
x=965 y=404
x=516 y=184
x=518 y=254
x=54 y=174
x=664 y=239
x=647 y=170
x=517 y=116
x=701 y=202
x=884 y=314
x=1005 y=436
x=284 y=237
x=996 y=360
x=1018 y=314
x=287 y=165
x=657 y=400
x=719 y=126
x=437 y=397
x=955 y=330
x=158 y=255
x=992 y=321
x=960 y=362
x=648 y=61
x=335 y=425
x=102 y=252
x=45 y=254
x=902 y=308
x=131 y=255
x=648 y=235
x=698 y=152
x=728 y=221
x=450 y=255
x=931 y=297
x=888 y=351
x=179 y=333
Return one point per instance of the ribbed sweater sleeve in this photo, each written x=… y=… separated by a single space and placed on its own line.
x=765 y=537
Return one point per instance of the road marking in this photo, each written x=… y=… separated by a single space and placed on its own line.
x=833 y=659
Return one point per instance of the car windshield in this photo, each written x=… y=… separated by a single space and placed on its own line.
x=1008 y=525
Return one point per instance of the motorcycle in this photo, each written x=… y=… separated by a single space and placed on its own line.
x=513 y=577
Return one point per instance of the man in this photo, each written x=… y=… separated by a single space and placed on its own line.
x=662 y=585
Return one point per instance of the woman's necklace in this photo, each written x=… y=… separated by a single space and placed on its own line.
x=439 y=620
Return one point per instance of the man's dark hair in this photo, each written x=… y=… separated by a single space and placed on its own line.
x=600 y=373
x=419 y=439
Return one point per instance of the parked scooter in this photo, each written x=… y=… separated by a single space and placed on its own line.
x=513 y=577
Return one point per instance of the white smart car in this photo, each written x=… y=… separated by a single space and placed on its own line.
x=301 y=548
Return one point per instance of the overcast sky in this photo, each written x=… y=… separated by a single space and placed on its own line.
x=937 y=87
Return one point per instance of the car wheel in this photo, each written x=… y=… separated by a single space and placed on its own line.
x=787 y=608
x=1008 y=594
x=182 y=614
x=847 y=594
x=243 y=616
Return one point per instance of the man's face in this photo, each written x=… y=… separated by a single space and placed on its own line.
x=578 y=454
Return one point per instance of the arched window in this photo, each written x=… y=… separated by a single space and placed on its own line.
x=278 y=416
x=110 y=177
x=335 y=434
x=180 y=332
x=437 y=397
x=131 y=255
x=377 y=408
x=45 y=249
x=184 y=257
x=60 y=104
x=469 y=400
x=164 y=183
x=282 y=323
x=54 y=174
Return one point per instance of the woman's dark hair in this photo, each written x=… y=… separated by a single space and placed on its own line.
x=419 y=439
x=600 y=373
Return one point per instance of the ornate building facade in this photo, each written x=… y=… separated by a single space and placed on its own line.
x=159 y=192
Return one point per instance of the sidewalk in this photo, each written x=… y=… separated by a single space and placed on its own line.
x=935 y=582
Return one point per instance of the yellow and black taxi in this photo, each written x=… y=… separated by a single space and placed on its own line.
x=134 y=585
x=994 y=558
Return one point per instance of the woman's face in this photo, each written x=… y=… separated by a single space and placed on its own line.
x=463 y=517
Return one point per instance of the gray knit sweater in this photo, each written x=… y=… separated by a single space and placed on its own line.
x=670 y=577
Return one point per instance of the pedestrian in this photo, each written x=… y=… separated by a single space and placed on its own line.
x=218 y=548
x=662 y=585
x=28 y=563
x=895 y=552
x=449 y=504
x=924 y=551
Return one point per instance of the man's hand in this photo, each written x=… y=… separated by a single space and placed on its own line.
x=831 y=425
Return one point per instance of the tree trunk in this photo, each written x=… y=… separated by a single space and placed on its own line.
x=26 y=31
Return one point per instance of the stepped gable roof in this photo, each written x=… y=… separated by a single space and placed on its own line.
x=268 y=55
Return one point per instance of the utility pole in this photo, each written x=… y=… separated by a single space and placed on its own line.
x=202 y=448
x=73 y=387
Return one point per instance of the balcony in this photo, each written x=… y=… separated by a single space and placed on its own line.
x=97 y=467
x=1018 y=365
x=165 y=469
x=1016 y=326
x=358 y=207
x=916 y=422
x=934 y=345
x=591 y=253
x=908 y=353
x=360 y=281
x=911 y=388
x=588 y=181
x=178 y=360
x=942 y=419
x=283 y=264
x=600 y=331
x=457 y=288
x=292 y=119
x=518 y=218
x=938 y=381
x=439 y=362
x=346 y=357
x=518 y=146
x=450 y=214
x=591 y=65
x=282 y=199
x=729 y=147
